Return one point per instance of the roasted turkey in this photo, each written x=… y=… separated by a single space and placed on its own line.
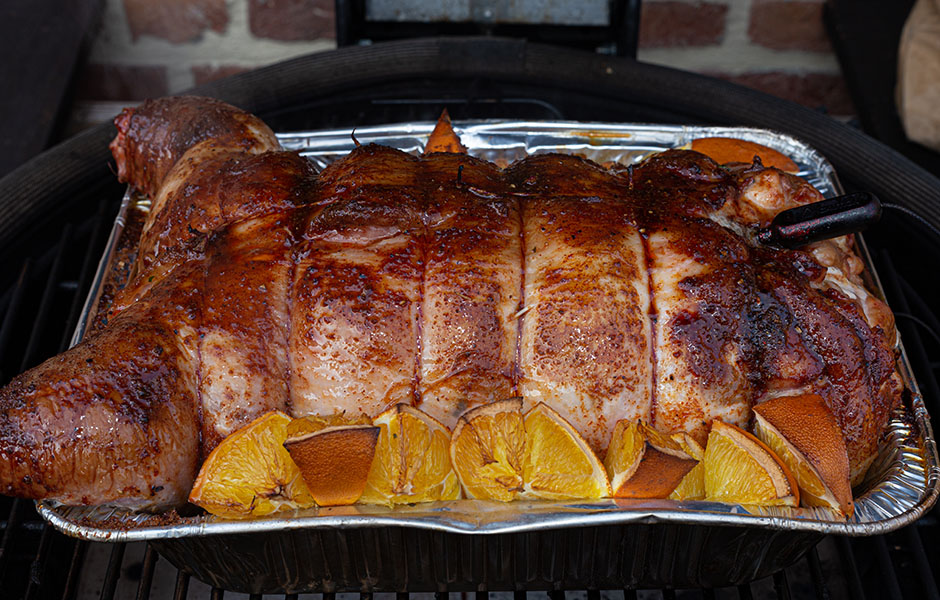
x=442 y=281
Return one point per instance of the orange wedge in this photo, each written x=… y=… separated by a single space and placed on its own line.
x=250 y=474
x=624 y=453
x=558 y=463
x=692 y=486
x=644 y=463
x=740 y=469
x=412 y=462
x=335 y=461
x=444 y=138
x=731 y=150
x=803 y=432
x=487 y=450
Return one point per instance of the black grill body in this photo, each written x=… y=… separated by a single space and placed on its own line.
x=56 y=211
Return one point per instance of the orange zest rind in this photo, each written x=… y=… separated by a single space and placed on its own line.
x=645 y=463
x=803 y=432
x=335 y=461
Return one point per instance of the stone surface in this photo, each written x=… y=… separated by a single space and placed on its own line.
x=671 y=24
x=120 y=82
x=815 y=90
x=175 y=20
x=794 y=25
x=292 y=19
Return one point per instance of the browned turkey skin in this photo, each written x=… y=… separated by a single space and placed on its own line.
x=441 y=281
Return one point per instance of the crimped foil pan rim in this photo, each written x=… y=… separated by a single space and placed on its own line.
x=544 y=522
x=912 y=451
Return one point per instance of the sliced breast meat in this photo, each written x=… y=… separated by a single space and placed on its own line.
x=585 y=344
x=700 y=336
x=471 y=285
x=243 y=342
x=356 y=289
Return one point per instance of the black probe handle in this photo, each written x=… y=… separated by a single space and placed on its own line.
x=822 y=220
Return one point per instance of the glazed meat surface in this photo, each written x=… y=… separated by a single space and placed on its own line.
x=444 y=282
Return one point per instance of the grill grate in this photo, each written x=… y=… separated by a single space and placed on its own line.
x=40 y=304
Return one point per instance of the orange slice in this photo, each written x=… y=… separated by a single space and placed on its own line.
x=803 y=432
x=692 y=486
x=731 y=150
x=488 y=449
x=250 y=474
x=740 y=469
x=558 y=463
x=335 y=461
x=412 y=462
x=645 y=463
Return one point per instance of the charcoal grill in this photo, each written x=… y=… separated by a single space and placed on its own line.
x=56 y=211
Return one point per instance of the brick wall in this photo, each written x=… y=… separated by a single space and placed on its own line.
x=148 y=48
x=776 y=46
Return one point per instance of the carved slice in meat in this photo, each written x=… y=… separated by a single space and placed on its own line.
x=700 y=335
x=584 y=346
x=472 y=281
x=244 y=333
x=356 y=289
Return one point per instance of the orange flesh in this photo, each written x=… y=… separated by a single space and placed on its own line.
x=730 y=150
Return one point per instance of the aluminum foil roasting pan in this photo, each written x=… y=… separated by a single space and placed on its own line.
x=474 y=545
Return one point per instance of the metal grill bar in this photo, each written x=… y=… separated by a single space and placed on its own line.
x=36 y=571
x=816 y=572
x=888 y=576
x=19 y=507
x=89 y=262
x=182 y=585
x=113 y=573
x=856 y=590
x=75 y=569
x=146 y=575
x=42 y=313
x=912 y=536
x=12 y=311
